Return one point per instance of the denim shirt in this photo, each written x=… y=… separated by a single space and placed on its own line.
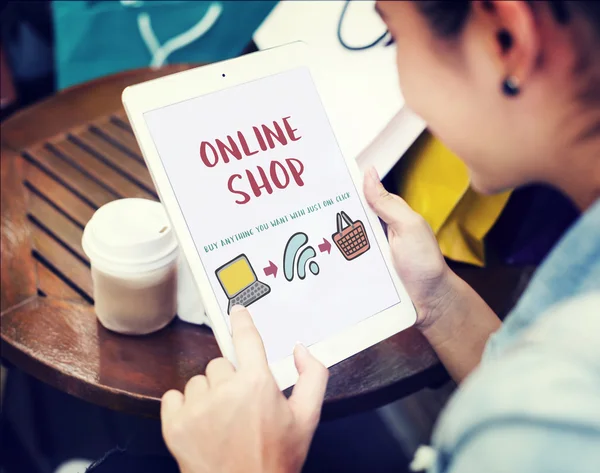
x=533 y=404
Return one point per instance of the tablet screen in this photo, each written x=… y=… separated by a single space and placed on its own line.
x=272 y=209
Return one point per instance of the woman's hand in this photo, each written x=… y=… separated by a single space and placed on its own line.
x=417 y=256
x=232 y=421
x=453 y=317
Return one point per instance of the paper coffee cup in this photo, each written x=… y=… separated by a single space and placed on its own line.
x=134 y=257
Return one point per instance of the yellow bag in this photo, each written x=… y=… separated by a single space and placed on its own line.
x=435 y=183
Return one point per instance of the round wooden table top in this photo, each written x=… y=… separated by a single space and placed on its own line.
x=62 y=159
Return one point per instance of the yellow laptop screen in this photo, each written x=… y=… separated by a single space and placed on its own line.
x=237 y=276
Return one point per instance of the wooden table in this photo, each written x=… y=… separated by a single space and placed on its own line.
x=63 y=158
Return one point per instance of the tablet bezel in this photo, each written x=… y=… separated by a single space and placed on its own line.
x=147 y=96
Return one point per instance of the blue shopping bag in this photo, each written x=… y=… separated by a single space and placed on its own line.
x=96 y=38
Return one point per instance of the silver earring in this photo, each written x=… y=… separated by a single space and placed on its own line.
x=510 y=86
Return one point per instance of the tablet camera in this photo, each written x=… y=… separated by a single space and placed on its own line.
x=222 y=75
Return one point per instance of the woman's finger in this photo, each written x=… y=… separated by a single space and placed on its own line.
x=171 y=402
x=195 y=387
x=249 y=347
x=218 y=371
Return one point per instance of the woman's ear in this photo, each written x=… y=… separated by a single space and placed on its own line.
x=516 y=41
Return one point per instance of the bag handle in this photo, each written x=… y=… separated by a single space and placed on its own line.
x=159 y=52
x=347 y=219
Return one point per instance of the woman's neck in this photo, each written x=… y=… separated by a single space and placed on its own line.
x=578 y=174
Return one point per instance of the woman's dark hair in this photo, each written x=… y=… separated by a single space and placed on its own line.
x=447 y=18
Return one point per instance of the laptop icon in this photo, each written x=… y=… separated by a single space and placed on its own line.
x=239 y=281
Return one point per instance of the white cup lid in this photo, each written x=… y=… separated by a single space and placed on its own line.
x=130 y=235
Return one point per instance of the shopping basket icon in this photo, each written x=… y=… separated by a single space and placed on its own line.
x=352 y=241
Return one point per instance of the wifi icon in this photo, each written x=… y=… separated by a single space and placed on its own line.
x=294 y=249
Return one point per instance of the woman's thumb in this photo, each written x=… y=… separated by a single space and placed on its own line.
x=307 y=397
x=389 y=207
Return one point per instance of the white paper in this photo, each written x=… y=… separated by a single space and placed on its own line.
x=360 y=88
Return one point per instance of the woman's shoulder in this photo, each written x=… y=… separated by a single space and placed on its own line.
x=533 y=399
x=537 y=405
x=571 y=269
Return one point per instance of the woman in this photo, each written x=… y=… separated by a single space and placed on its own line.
x=514 y=89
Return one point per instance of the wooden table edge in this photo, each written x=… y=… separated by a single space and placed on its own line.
x=71 y=383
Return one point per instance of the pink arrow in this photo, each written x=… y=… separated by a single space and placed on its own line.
x=325 y=247
x=271 y=269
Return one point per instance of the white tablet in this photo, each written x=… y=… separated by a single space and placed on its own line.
x=268 y=212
